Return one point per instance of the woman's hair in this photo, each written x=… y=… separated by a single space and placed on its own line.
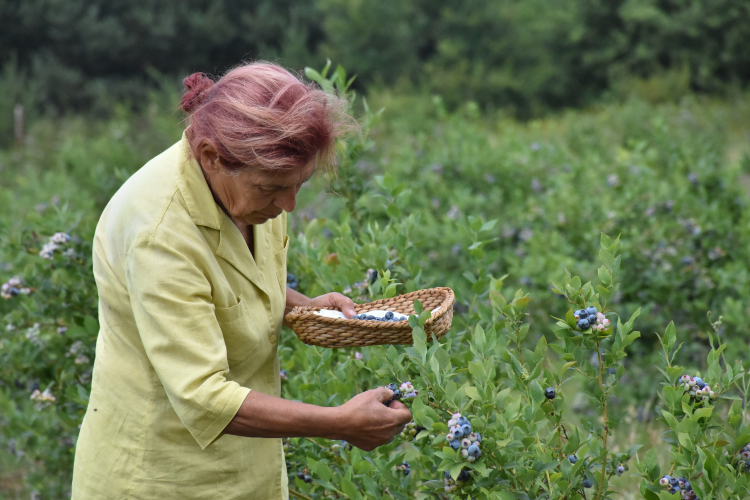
x=260 y=114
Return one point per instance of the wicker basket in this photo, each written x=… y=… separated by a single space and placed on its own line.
x=322 y=331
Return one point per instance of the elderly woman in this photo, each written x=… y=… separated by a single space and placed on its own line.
x=190 y=263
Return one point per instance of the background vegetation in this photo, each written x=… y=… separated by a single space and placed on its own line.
x=633 y=121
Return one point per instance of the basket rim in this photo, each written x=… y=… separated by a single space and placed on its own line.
x=300 y=313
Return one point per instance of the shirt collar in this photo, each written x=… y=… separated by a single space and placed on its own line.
x=195 y=191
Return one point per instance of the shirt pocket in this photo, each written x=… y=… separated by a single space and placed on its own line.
x=245 y=327
x=279 y=261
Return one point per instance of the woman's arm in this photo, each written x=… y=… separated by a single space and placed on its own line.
x=294 y=298
x=363 y=421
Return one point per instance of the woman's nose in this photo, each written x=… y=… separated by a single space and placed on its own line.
x=286 y=199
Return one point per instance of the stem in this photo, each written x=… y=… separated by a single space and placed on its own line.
x=297 y=494
x=606 y=429
x=439 y=408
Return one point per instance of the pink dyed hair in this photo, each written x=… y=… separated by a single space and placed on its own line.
x=261 y=115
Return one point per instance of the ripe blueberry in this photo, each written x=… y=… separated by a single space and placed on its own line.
x=474 y=450
x=464 y=475
x=466 y=429
x=307 y=479
x=591 y=310
x=455 y=444
x=550 y=393
x=572 y=459
x=583 y=324
x=462 y=421
x=458 y=433
x=620 y=470
x=587 y=483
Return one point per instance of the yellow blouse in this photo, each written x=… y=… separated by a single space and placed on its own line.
x=189 y=325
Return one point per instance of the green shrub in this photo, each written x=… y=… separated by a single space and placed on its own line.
x=430 y=197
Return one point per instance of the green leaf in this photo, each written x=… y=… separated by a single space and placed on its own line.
x=479 y=339
x=419 y=340
x=711 y=466
x=605 y=276
x=473 y=393
x=607 y=259
x=670 y=336
x=417 y=307
x=349 y=489
x=651 y=465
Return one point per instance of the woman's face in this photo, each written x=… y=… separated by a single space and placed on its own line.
x=254 y=196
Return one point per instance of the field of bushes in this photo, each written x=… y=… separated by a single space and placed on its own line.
x=440 y=196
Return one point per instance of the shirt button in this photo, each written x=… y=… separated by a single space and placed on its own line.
x=272 y=337
x=269 y=379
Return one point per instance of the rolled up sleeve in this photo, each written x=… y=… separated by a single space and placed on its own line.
x=170 y=295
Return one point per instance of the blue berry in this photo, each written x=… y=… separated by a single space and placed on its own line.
x=466 y=429
x=591 y=311
x=620 y=469
x=455 y=444
x=447 y=475
x=572 y=459
x=699 y=382
x=688 y=486
x=479 y=437
x=473 y=450
x=461 y=421
x=392 y=386
x=307 y=479
x=587 y=483
x=13 y=291
x=583 y=324
x=674 y=489
x=389 y=315
x=550 y=393
x=458 y=433
x=464 y=475
x=674 y=481
x=396 y=394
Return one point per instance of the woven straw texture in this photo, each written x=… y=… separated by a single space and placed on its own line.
x=321 y=331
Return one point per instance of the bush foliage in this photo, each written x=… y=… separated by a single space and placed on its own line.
x=522 y=221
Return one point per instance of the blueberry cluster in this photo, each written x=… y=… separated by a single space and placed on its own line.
x=54 y=243
x=462 y=437
x=404 y=467
x=406 y=390
x=590 y=318
x=291 y=281
x=744 y=457
x=410 y=430
x=697 y=389
x=389 y=316
x=678 y=485
x=303 y=475
x=450 y=484
x=13 y=287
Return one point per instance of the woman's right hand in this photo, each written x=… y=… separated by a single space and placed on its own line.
x=367 y=423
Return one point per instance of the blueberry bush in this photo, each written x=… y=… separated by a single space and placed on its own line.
x=562 y=240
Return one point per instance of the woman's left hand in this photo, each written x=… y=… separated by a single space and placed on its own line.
x=335 y=299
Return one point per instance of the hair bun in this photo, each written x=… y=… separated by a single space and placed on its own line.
x=195 y=87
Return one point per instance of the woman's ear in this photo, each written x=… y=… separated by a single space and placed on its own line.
x=209 y=159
